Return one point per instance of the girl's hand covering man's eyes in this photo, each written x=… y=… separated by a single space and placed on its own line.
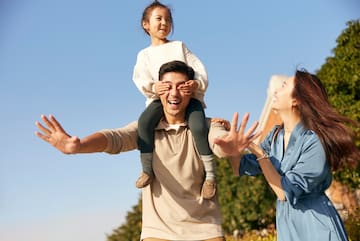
x=189 y=87
x=161 y=87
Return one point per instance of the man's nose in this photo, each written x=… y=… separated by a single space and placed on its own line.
x=174 y=90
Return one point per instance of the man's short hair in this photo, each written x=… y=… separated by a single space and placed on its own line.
x=178 y=67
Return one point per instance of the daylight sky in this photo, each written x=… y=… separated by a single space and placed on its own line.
x=74 y=59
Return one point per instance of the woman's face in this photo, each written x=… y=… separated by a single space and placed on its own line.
x=282 y=99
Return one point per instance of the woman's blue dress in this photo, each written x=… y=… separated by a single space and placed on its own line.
x=307 y=214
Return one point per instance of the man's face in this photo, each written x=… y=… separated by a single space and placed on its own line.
x=174 y=101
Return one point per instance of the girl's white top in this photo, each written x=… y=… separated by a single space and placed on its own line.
x=150 y=59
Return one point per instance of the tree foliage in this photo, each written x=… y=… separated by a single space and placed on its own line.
x=341 y=73
x=131 y=229
x=341 y=77
x=246 y=203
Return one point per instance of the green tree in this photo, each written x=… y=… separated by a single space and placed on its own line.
x=131 y=229
x=246 y=202
x=341 y=72
x=341 y=77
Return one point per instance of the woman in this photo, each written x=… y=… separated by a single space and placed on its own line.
x=296 y=159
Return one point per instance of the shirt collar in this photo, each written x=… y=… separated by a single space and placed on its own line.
x=164 y=125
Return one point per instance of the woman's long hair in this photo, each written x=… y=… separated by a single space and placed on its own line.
x=318 y=115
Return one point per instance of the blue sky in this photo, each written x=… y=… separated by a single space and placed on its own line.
x=74 y=59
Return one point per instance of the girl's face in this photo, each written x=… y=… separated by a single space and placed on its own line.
x=282 y=99
x=158 y=25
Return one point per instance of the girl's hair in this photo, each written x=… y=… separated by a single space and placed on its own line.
x=318 y=115
x=148 y=10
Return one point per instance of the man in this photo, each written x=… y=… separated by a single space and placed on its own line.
x=173 y=208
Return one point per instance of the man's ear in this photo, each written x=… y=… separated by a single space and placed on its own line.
x=294 y=102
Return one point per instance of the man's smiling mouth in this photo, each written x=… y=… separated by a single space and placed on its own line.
x=173 y=102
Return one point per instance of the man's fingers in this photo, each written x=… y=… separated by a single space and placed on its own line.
x=48 y=122
x=45 y=138
x=243 y=123
x=219 y=141
x=234 y=122
x=42 y=128
x=55 y=123
x=254 y=137
x=252 y=129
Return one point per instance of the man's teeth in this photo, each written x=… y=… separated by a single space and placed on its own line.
x=173 y=102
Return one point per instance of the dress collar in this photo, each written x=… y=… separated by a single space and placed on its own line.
x=298 y=130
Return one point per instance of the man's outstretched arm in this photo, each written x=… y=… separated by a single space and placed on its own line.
x=53 y=133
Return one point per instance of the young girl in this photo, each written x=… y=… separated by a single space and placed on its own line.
x=296 y=159
x=157 y=22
